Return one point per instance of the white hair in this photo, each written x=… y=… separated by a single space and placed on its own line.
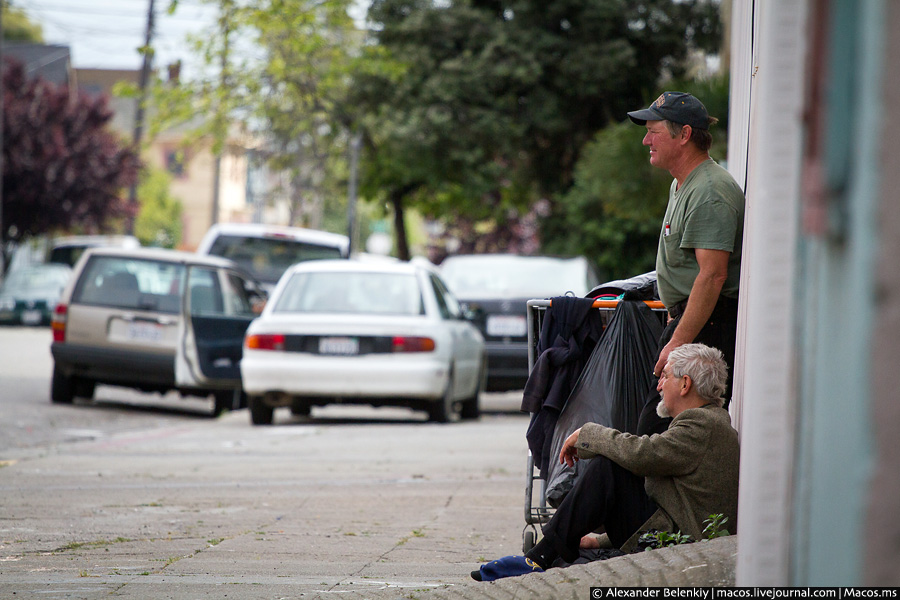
x=705 y=366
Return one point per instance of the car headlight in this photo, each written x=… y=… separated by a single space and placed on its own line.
x=7 y=303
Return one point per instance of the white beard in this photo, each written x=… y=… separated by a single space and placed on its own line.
x=662 y=411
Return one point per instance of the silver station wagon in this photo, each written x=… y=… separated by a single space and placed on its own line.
x=154 y=320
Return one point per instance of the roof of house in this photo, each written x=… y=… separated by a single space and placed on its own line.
x=51 y=62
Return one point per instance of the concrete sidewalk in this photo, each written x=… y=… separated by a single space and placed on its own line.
x=709 y=563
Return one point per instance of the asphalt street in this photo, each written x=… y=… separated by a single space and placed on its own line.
x=147 y=504
x=138 y=496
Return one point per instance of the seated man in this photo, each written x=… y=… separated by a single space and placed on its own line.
x=690 y=470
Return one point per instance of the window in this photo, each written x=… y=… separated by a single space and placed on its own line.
x=131 y=283
x=357 y=293
x=447 y=304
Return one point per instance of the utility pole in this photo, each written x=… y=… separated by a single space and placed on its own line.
x=2 y=230
x=139 y=113
x=221 y=120
x=355 y=143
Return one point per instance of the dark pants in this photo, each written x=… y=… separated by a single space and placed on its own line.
x=719 y=332
x=608 y=495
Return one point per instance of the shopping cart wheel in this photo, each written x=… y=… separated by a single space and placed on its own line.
x=527 y=541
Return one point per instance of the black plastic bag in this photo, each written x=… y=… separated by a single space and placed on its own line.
x=612 y=388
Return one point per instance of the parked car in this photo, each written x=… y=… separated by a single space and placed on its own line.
x=378 y=333
x=154 y=320
x=266 y=251
x=67 y=250
x=496 y=287
x=28 y=295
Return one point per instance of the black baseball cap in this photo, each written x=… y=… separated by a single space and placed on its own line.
x=678 y=107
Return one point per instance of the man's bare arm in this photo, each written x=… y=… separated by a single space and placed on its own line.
x=704 y=295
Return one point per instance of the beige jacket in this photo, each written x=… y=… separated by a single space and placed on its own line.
x=690 y=470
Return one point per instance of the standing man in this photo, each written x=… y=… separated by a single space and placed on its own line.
x=698 y=261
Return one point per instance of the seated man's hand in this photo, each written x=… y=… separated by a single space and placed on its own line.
x=569 y=453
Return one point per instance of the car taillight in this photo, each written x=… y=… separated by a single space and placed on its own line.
x=58 y=324
x=412 y=344
x=265 y=341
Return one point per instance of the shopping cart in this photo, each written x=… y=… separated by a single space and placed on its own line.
x=537 y=510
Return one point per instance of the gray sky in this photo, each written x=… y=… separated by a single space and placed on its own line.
x=106 y=33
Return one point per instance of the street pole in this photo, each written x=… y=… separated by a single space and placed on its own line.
x=139 y=113
x=221 y=131
x=355 y=143
x=2 y=231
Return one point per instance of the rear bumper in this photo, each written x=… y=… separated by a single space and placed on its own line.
x=507 y=365
x=115 y=366
x=370 y=376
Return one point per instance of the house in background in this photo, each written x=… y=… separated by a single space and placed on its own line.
x=813 y=85
x=247 y=190
x=51 y=62
x=193 y=169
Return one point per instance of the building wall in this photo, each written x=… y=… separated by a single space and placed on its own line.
x=101 y=81
x=192 y=178
x=882 y=527
x=820 y=463
x=773 y=60
x=836 y=295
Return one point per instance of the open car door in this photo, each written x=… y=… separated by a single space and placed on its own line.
x=217 y=307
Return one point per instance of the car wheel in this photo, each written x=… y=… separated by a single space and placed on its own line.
x=62 y=388
x=445 y=409
x=260 y=412
x=84 y=388
x=470 y=407
x=225 y=400
x=300 y=408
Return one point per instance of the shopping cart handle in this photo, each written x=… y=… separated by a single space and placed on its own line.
x=654 y=304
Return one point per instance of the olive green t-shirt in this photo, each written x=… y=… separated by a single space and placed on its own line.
x=706 y=212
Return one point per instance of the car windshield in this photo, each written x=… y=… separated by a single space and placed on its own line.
x=267 y=258
x=351 y=292
x=514 y=276
x=36 y=279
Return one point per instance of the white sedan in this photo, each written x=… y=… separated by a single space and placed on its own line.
x=364 y=333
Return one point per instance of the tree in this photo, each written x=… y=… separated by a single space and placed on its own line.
x=496 y=99
x=613 y=211
x=17 y=27
x=300 y=98
x=289 y=99
x=62 y=169
x=159 y=221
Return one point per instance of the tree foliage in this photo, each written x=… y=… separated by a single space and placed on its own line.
x=301 y=98
x=17 y=27
x=613 y=211
x=62 y=168
x=476 y=113
x=159 y=221
x=494 y=100
x=286 y=98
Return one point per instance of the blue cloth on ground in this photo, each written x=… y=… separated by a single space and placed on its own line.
x=508 y=566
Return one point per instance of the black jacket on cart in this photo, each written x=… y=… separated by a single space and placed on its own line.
x=570 y=330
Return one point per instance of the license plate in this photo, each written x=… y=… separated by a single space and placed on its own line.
x=506 y=326
x=344 y=346
x=31 y=317
x=150 y=332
